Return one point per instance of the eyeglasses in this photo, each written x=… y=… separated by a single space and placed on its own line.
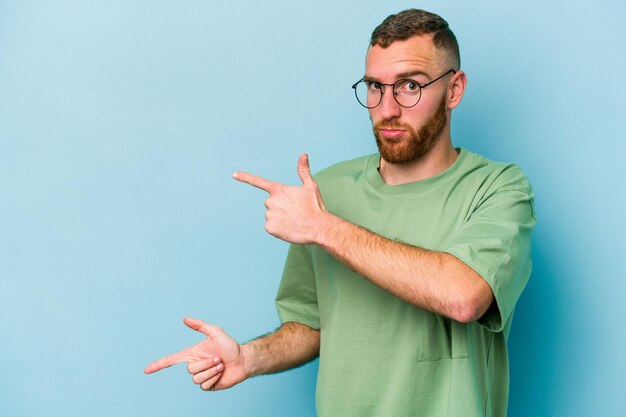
x=406 y=92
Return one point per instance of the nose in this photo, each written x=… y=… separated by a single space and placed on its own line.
x=389 y=107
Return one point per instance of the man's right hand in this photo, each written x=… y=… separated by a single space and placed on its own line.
x=216 y=363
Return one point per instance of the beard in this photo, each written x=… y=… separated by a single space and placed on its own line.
x=417 y=144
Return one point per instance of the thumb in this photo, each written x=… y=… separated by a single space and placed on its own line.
x=304 y=170
x=202 y=327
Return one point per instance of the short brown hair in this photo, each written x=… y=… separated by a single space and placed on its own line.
x=408 y=23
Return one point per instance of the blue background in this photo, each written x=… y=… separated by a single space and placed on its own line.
x=121 y=123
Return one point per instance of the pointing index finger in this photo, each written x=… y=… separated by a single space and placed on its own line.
x=255 y=181
x=166 y=362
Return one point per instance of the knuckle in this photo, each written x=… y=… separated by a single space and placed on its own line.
x=271 y=231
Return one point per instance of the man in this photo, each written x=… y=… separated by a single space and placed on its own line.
x=405 y=266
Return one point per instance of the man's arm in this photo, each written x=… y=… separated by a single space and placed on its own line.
x=219 y=362
x=292 y=345
x=435 y=281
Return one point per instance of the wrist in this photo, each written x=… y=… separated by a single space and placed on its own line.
x=325 y=223
x=250 y=368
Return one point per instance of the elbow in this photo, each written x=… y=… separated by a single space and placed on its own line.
x=470 y=295
x=470 y=308
x=468 y=313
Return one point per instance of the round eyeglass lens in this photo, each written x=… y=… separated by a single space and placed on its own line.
x=367 y=94
x=407 y=92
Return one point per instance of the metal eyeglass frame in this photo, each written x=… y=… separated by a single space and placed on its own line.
x=382 y=92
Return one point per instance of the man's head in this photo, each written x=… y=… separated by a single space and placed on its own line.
x=418 y=46
x=414 y=22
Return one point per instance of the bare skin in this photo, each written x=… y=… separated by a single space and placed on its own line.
x=219 y=362
x=435 y=281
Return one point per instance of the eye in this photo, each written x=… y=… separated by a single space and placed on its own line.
x=412 y=85
x=373 y=85
x=407 y=87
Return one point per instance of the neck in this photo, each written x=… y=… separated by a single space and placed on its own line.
x=437 y=160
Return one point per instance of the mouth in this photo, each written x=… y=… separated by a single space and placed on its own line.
x=392 y=133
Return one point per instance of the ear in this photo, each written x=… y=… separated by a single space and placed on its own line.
x=456 y=89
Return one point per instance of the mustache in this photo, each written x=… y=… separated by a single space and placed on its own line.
x=390 y=125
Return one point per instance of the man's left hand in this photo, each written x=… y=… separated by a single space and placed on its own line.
x=294 y=213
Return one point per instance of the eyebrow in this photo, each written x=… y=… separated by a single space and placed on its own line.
x=401 y=75
x=412 y=73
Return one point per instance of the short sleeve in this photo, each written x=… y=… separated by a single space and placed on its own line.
x=296 y=299
x=495 y=242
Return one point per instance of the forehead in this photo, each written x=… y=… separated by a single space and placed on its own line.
x=414 y=54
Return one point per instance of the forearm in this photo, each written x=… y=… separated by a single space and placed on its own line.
x=292 y=345
x=431 y=280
